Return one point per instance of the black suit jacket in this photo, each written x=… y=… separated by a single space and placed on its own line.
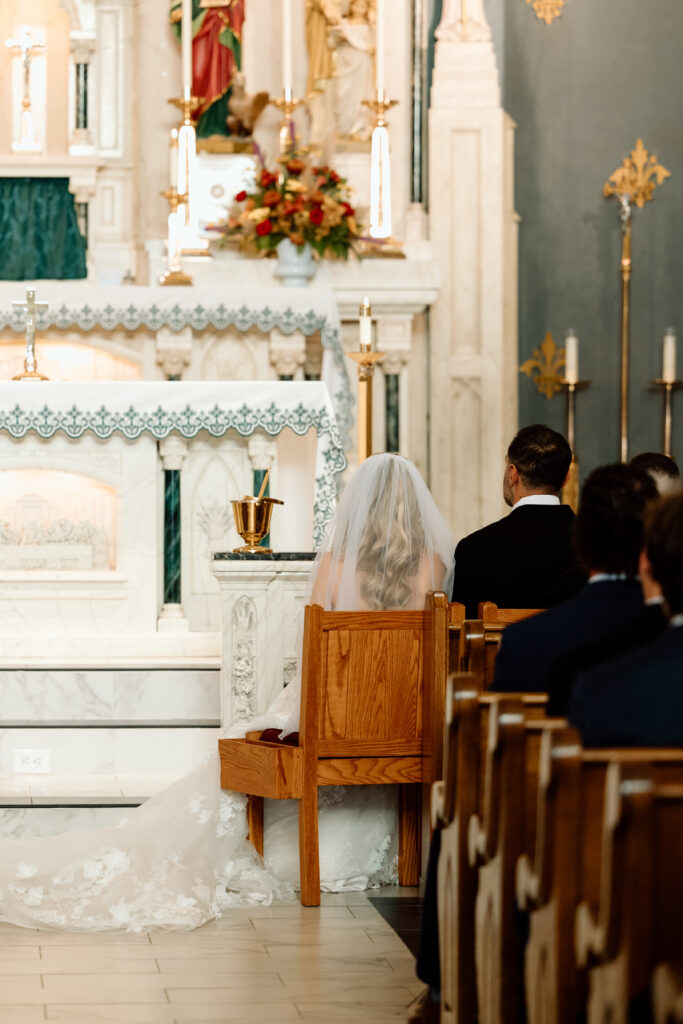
x=643 y=630
x=517 y=562
x=529 y=649
x=635 y=701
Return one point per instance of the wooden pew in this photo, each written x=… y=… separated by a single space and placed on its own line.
x=372 y=705
x=478 y=639
x=458 y=798
x=504 y=828
x=639 y=918
x=564 y=868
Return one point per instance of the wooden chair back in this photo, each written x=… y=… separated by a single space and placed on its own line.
x=565 y=867
x=372 y=711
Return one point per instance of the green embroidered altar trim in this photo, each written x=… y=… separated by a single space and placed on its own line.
x=39 y=230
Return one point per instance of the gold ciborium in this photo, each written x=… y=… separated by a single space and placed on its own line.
x=252 y=519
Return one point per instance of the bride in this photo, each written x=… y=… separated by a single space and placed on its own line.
x=183 y=857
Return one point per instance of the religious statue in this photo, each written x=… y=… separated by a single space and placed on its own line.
x=244 y=110
x=464 y=21
x=321 y=16
x=25 y=46
x=216 y=57
x=353 y=41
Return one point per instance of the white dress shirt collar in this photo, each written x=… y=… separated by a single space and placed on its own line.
x=537 y=499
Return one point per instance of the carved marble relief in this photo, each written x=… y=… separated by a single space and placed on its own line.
x=243 y=674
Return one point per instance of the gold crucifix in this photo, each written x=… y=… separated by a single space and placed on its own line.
x=31 y=308
x=634 y=182
x=25 y=47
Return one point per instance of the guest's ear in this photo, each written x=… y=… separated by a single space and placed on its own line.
x=647 y=581
x=513 y=475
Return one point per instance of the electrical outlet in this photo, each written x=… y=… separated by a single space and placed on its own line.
x=33 y=762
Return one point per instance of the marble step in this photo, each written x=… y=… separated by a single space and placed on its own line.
x=45 y=805
x=113 y=696
x=109 y=750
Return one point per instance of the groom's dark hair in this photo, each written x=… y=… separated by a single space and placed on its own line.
x=542 y=457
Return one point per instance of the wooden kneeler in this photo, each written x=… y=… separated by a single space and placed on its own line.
x=372 y=706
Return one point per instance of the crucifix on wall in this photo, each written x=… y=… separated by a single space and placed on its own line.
x=25 y=47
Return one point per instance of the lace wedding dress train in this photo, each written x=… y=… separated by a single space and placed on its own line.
x=183 y=857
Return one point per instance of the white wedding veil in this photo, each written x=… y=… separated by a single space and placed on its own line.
x=387 y=546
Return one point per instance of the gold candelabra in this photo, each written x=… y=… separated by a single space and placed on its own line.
x=632 y=183
x=287 y=104
x=570 y=491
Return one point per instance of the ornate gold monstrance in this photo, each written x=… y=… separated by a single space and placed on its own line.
x=634 y=182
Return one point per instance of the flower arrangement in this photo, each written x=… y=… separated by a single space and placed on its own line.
x=302 y=203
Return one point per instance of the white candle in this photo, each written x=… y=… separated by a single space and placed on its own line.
x=186 y=45
x=287 y=44
x=173 y=159
x=365 y=322
x=571 y=357
x=669 y=356
x=379 y=48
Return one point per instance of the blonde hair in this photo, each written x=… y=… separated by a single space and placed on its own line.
x=391 y=551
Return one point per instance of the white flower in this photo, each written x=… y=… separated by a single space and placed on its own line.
x=26 y=870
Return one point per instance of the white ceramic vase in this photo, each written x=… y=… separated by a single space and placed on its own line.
x=295 y=267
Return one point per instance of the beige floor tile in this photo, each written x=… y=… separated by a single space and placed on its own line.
x=83 y=960
x=243 y=986
x=235 y=957
x=101 y=1013
x=25 y=988
x=103 y=988
x=21 y=1014
x=272 y=1013
x=230 y=965
x=347 y=1011
x=101 y=940
x=17 y=952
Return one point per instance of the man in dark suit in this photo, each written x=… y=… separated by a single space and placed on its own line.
x=519 y=562
x=637 y=700
x=609 y=536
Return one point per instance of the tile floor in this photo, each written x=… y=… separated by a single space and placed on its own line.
x=340 y=962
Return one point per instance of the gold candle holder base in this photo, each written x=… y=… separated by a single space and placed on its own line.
x=570 y=491
x=252 y=522
x=30 y=375
x=667 y=388
x=175 y=277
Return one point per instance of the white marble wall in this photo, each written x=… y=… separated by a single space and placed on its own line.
x=115 y=696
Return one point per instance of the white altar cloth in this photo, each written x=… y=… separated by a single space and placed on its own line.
x=87 y=306
x=159 y=408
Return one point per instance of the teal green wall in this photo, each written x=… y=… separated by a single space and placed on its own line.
x=581 y=91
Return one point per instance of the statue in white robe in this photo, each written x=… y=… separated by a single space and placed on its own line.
x=353 y=40
x=464 y=21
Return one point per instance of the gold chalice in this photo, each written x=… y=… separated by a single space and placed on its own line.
x=252 y=519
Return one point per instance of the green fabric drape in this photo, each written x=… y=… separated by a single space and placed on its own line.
x=39 y=233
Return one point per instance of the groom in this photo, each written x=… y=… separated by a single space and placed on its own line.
x=526 y=559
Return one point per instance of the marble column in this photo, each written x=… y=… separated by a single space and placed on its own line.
x=82 y=49
x=173 y=452
x=473 y=231
x=394 y=339
x=287 y=352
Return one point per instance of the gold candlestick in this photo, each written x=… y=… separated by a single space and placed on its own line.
x=287 y=105
x=175 y=275
x=667 y=387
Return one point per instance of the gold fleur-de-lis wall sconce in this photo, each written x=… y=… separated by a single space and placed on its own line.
x=544 y=367
x=547 y=10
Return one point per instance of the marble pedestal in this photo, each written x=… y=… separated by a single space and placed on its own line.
x=262 y=599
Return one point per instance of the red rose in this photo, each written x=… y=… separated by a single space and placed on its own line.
x=264 y=227
x=271 y=197
x=268 y=179
x=296 y=166
x=334 y=177
x=316 y=216
x=241 y=196
x=348 y=209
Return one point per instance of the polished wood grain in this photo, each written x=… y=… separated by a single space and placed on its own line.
x=372 y=710
x=565 y=868
x=255 y=822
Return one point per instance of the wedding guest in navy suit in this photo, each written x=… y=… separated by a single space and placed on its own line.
x=637 y=700
x=609 y=536
x=525 y=559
